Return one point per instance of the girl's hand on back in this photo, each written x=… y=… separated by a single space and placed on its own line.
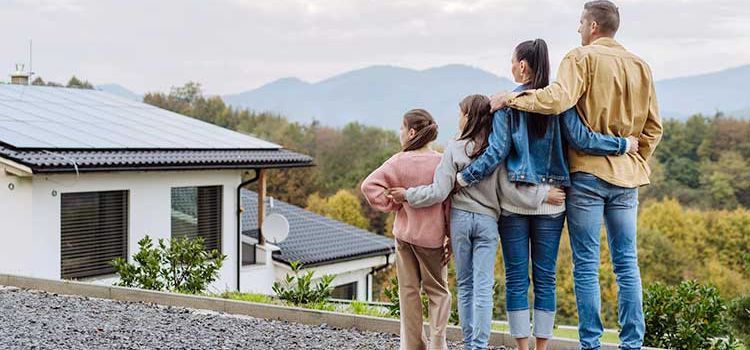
x=397 y=194
x=555 y=196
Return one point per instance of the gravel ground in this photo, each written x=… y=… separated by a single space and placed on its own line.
x=40 y=320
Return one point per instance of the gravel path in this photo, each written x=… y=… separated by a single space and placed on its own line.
x=40 y=320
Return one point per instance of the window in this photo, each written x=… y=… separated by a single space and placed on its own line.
x=248 y=254
x=196 y=212
x=93 y=232
x=345 y=291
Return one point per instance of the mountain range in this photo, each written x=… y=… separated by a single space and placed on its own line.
x=379 y=95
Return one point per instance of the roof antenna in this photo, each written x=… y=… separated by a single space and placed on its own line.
x=31 y=60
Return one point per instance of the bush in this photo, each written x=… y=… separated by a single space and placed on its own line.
x=184 y=266
x=391 y=293
x=739 y=319
x=298 y=289
x=689 y=316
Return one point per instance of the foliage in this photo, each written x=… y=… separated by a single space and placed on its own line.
x=343 y=206
x=79 y=84
x=739 y=318
x=676 y=243
x=251 y=297
x=72 y=83
x=182 y=266
x=360 y=308
x=703 y=163
x=298 y=288
x=391 y=294
x=685 y=317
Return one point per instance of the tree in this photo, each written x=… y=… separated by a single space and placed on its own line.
x=79 y=84
x=343 y=206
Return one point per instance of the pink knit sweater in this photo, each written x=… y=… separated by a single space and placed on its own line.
x=424 y=227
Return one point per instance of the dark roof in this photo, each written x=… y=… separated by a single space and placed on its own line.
x=314 y=239
x=52 y=129
x=43 y=161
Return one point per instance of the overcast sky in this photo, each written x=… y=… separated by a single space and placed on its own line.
x=235 y=45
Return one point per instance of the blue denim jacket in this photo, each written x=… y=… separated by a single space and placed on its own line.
x=537 y=160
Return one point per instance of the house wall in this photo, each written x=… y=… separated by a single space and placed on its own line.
x=15 y=224
x=149 y=213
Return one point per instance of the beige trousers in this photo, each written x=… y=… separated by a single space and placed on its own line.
x=422 y=267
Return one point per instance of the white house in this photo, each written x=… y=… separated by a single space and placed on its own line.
x=84 y=175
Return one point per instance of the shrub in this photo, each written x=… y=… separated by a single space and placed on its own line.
x=183 y=266
x=685 y=317
x=297 y=288
x=391 y=293
x=739 y=319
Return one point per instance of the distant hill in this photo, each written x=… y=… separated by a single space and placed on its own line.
x=377 y=95
x=120 y=90
x=725 y=91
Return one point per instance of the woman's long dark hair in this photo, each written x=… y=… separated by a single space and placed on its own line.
x=422 y=122
x=478 y=122
x=535 y=53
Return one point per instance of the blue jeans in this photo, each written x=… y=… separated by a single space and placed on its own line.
x=590 y=199
x=474 y=241
x=536 y=237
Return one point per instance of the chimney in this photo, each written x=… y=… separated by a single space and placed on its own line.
x=19 y=77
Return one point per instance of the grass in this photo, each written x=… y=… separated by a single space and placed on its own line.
x=255 y=298
x=607 y=337
x=360 y=308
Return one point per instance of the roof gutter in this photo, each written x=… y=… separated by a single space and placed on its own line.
x=239 y=222
x=15 y=168
x=84 y=169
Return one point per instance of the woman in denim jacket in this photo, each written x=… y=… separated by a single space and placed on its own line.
x=535 y=149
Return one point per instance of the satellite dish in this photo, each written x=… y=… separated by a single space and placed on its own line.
x=275 y=228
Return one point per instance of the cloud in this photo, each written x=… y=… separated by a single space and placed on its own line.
x=235 y=45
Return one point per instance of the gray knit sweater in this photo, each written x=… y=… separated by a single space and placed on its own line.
x=483 y=198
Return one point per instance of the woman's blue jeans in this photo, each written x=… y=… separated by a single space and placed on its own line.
x=534 y=238
x=474 y=240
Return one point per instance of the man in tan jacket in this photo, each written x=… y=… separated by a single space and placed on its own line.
x=613 y=90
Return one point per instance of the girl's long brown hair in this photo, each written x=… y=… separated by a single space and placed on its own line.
x=422 y=122
x=478 y=123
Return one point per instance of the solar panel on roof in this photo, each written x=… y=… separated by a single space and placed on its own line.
x=61 y=118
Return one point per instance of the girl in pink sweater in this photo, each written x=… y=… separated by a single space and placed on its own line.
x=421 y=234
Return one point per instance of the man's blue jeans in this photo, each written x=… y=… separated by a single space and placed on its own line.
x=535 y=238
x=474 y=240
x=589 y=200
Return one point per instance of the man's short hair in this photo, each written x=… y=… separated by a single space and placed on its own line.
x=605 y=13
